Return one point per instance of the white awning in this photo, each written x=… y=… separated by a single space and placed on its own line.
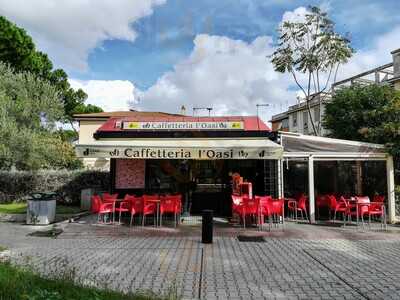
x=195 y=148
x=322 y=148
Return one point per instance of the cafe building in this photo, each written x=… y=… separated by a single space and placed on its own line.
x=153 y=152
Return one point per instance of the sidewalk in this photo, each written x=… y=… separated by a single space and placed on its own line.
x=303 y=262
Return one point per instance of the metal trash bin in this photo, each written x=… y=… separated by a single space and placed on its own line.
x=86 y=198
x=41 y=209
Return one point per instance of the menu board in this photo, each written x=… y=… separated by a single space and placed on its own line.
x=130 y=173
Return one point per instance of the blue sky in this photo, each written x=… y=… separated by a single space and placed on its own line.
x=158 y=53
x=166 y=36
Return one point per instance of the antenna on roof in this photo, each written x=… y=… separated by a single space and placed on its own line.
x=183 y=110
x=258 y=119
x=202 y=108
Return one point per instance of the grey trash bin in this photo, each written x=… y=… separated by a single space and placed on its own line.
x=41 y=209
x=86 y=196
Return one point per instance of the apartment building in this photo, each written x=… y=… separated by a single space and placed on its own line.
x=297 y=117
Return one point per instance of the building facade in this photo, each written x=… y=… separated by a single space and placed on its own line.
x=297 y=117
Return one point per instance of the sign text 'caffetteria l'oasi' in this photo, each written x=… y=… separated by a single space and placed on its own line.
x=231 y=125
x=176 y=153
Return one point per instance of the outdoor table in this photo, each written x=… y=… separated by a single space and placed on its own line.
x=157 y=202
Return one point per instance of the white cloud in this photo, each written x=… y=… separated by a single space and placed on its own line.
x=297 y=15
x=230 y=75
x=376 y=55
x=110 y=95
x=69 y=30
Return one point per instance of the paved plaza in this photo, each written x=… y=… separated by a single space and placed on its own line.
x=302 y=262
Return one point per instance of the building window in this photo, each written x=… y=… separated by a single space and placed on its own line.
x=305 y=120
x=294 y=120
x=317 y=113
x=285 y=123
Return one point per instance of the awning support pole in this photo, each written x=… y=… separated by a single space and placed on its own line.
x=390 y=188
x=311 y=195
x=280 y=179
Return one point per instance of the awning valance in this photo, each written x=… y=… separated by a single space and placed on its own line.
x=221 y=148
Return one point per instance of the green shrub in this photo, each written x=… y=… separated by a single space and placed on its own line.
x=18 y=185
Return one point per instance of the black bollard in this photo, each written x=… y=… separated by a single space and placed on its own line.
x=207 y=227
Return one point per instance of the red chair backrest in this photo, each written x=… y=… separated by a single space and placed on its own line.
x=302 y=202
x=170 y=204
x=151 y=197
x=95 y=204
x=276 y=206
x=250 y=205
x=264 y=202
x=137 y=203
x=343 y=199
x=109 y=197
x=379 y=198
x=332 y=201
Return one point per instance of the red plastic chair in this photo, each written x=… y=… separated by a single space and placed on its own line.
x=95 y=204
x=149 y=207
x=237 y=202
x=250 y=207
x=136 y=206
x=299 y=206
x=170 y=204
x=110 y=198
x=341 y=206
x=124 y=206
x=276 y=211
x=102 y=208
x=264 y=205
x=377 y=209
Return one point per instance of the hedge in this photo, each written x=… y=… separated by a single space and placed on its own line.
x=18 y=185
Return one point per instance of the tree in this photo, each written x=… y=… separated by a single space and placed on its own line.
x=311 y=48
x=29 y=109
x=18 y=50
x=365 y=113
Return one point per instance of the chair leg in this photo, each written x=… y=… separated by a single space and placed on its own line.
x=130 y=224
x=160 y=220
x=144 y=216
x=119 y=219
x=369 y=221
x=305 y=212
x=175 y=214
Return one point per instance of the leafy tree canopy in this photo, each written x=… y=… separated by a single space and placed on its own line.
x=18 y=50
x=365 y=113
x=29 y=109
x=311 y=51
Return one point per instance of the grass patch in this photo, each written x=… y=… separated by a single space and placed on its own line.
x=2 y=248
x=20 y=208
x=13 y=208
x=16 y=283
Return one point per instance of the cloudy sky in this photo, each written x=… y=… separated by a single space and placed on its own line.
x=162 y=54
